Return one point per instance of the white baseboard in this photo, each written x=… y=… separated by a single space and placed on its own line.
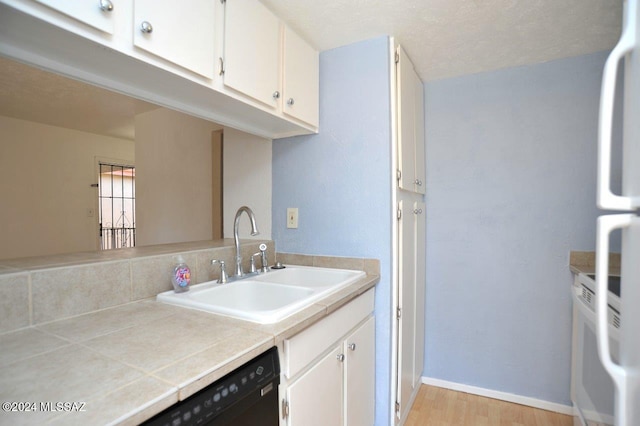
x=504 y=396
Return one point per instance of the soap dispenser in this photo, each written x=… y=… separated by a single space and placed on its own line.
x=181 y=276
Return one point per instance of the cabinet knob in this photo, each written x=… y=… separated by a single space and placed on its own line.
x=417 y=211
x=276 y=95
x=352 y=346
x=146 y=27
x=290 y=101
x=106 y=5
x=418 y=182
x=340 y=357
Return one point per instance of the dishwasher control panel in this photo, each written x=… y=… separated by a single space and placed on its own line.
x=253 y=380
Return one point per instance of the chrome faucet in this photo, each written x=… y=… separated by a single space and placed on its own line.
x=254 y=231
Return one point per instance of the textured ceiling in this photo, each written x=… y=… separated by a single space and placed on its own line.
x=443 y=38
x=448 y=38
x=31 y=94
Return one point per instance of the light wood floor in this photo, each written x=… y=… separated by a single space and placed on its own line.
x=443 y=407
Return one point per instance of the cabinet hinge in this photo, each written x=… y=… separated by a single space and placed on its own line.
x=398 y=312
x=397 y=407
x=399 y=213
x=285 y=408
x=398 y=174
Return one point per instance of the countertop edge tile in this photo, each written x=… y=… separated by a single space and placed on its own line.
x=100 y=409
x=187 y=389
x=337 y=301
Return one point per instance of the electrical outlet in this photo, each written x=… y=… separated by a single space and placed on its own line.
x=292 y=217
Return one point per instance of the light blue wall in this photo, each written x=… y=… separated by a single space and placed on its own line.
x=510 y=188
x=340 y=180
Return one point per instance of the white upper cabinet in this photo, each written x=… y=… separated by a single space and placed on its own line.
x=300 y=79
x=98 y=14
x=420 y=167
x=252 y=54
x=411 y=162
x=182 y=33
x=230 y=62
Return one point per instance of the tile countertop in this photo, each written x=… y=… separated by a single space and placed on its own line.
x=584 y=262
x=122 y=365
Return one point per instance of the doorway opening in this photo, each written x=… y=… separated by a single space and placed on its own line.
x=116 y=206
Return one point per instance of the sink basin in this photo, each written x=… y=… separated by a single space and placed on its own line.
x=309 y=277
x=265 y=298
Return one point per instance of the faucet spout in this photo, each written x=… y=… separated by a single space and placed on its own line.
x=236 y=238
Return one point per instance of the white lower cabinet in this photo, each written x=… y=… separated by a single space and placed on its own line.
x=315 y=399
x=329 y=369
x=360 y=375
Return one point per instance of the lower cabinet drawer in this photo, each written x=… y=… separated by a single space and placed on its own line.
x=304 y=347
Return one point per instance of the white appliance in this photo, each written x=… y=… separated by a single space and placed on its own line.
x=608 y=391
x=592 y=389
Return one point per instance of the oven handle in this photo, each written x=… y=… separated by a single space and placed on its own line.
x=606 y=224
x=607 y=199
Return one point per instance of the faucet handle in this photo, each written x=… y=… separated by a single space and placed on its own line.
x=252 y=266
x=223 y=271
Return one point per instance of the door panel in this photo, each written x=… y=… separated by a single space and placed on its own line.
x=88 y=12
x=181 y=33
x=419 y=208
x=407 y=297
x=252 y=50
x=360 y=375
x=315 y=399
x=301 y=78
x=406 y=121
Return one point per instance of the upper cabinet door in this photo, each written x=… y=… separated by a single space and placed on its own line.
x=98 y=14
x=420 y=171
x=252 y=51
x=301 y=79
x=410 y=104
x=180 y=32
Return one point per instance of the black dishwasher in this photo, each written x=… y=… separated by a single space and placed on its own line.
x=248 y=396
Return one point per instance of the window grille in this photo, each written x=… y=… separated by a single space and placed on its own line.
x=117 y=202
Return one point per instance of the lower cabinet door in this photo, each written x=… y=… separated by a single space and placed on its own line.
x=315 y=399
x=360 y=375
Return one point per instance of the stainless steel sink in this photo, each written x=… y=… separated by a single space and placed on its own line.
x=265 y=298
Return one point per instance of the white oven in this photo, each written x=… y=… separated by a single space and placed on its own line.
x=592 y=389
